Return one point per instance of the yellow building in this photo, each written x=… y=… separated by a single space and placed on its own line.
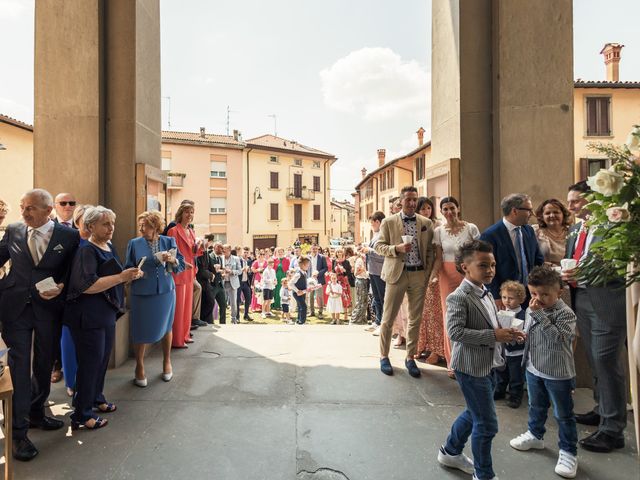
x=16 y=164
x=286 y=192
x=604 y=111
x=342 y=220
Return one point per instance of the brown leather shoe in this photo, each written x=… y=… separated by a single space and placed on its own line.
x=56 y=376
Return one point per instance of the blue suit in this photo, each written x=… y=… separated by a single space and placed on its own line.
x=506 y=260
x=156 y=278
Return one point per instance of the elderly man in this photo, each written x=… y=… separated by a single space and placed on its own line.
x=65 y=204
x=406 y=243
x=514 y=243
x=39 y=250
x=232 y=268
x=601 y=313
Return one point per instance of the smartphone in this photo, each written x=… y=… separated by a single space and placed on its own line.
x=141 y=262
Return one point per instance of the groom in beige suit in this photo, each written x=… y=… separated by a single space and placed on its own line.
x=407 y=266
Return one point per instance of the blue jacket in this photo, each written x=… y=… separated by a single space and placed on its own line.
x=157 y=280
x=506 y=261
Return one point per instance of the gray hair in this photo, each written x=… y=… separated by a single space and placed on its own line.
x=95 y=214
x=44 y=198
x=514 y=200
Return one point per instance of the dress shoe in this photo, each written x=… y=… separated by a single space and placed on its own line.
x=46 y=423
x=140 y=382
x=167 y=376
x=24 y=450
x=191 y=340
x=412 y=368
x=248 y=319
x=198 y=322
x=514 y=402
x=591 y=418
x=601 y=442
x=193 y=326
x=385 y=366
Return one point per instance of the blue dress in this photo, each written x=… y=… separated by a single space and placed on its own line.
x=153 y=297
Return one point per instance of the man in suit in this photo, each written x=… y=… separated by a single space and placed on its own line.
x=212 y=284
x=318 y=264
x=231 y=269
x=38 y=249
x=514 y=243
x=245 y=278
x=407 y=266
x=601 y=313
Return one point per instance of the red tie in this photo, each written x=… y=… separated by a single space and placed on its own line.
x=580 y=244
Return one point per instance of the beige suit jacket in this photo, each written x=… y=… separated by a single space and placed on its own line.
x=391 y=231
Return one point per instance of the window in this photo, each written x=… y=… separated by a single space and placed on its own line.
x=591 y=166
x=297 y=216
x=369 y=210
x=274 y=180
x=274 y=213
x=297 y=162
x=316 y=184
x=598 y=117
x=368 y=190
x=218 y=169
x=316 y=212
x=166 y=164
x=316 y=164
x=273 y=159
x=420 y=167
x=217 y=205
x=390 y=178
x=297 y=185
x=220 y=237
x=383 y=182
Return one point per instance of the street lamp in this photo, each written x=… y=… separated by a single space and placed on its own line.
x=2 y=147
x=256 y=195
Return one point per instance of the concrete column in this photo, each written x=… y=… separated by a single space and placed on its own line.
x=97 y=106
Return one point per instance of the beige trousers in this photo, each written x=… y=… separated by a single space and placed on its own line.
x=197 y=299
x=414 y=284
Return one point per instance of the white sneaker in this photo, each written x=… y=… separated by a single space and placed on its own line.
x=461 y=462
x=567 y=465
x=264 y=315
x=376 y=332
x=526 y=441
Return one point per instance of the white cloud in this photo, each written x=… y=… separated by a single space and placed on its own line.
x=376 y=84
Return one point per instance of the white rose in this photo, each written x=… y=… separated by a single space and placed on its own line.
x=633 y=140
x=619 y=214
x=606 y=182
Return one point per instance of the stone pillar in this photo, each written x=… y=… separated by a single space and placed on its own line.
x=97 y=106
x=502 y=99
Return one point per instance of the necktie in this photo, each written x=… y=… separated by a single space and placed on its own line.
x=66 y=224
x=409 y=219
x=580 y=244
x=33 y=244
x=484 y=294
x=524 y=273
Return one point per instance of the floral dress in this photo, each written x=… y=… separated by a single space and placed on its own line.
x=343 y=280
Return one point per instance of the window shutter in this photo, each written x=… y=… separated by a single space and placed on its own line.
x=584 y=168
x=274 y=214
x=297 y=216
x=274 y=180
x=316 y=212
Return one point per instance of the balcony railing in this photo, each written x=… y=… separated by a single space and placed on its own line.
x=175 y=181
x=300 y=194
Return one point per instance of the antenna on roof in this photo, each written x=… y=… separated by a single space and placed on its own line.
x=229 y=112
x=275 y=124
x=168 y=113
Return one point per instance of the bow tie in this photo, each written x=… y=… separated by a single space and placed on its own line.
x=409 y=219
x=484 y=294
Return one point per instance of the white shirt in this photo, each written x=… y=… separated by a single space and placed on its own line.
x=314 y=264
x=64 y=222
x=451 y=243
x=511 y=228
x=45 y=232
x=269 y=278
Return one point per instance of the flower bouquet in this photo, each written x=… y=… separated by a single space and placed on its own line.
x=614 y=205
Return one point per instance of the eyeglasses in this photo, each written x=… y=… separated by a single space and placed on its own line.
x=64 y=204
x=530 y=210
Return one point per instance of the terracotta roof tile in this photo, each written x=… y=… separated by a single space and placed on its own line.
x=604 y=84
x=195 y=138
x=271 y=141
x=15 y=123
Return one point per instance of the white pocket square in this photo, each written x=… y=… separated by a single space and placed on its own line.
x=58 y=248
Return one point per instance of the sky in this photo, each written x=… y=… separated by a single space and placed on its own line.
x=345 y=77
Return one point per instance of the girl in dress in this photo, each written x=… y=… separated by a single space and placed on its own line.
x=334 y=303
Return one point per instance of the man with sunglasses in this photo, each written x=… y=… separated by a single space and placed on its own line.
x=514 y=243
x=65 y=204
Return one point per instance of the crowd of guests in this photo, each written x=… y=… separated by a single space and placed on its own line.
x=498 y=308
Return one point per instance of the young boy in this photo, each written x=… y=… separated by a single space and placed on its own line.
x=550 y=327
x=268 y=285
x=472 y=325
x=299 y=286
x=285 y=297
x=512 y=294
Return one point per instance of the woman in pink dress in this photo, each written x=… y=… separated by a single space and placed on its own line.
x=257 y=268
x=342 y=268
x=448 y=238
x=190 y=249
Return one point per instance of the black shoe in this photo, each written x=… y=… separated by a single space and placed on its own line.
x=385 y=366
x=514 y=402
x=198 y=322
x=193 y=327
x=412 y=368
x=47 y=423
x=601 y=442
x=590 y=418
x=499 y=395
x=24 y=450
x=248 y=319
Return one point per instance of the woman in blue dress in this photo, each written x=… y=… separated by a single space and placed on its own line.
x=94 y=302
x=153 y=297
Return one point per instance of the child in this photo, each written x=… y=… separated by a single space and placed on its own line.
x=268 y=285
x=512 y=294
x=285 y=296
x=334 y=300
x=550 y=327
x=472 y=325
x=299 y=286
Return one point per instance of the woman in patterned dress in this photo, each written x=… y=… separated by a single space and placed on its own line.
x=342 y=268
x=257 y=268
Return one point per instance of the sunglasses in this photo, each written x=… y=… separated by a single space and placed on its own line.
x=64 y=204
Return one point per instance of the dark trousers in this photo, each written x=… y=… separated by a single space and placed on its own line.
x=301 y=301
x=245 y=291
x=377 y=289
x=93 y=349
x=220 y=297
x=512 y=376
x=30 y=390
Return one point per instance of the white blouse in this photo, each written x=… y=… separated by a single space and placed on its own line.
x=450 y=243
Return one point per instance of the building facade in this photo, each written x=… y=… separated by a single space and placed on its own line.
x=342 y=220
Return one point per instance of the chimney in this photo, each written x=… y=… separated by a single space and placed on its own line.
x=420 y=133
x=202 y=132
x=364 y=172
x=381 y=154
x=611 y=52
x=236 y=135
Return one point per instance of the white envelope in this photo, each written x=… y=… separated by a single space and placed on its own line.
x=46 y=285
x=505 y=318
x=517 y=323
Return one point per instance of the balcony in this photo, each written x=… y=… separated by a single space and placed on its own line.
x=175 y=180
x=300 y=194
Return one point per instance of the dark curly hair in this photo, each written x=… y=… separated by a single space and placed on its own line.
x=467 y=250
x=566 y=214
x=543 y=276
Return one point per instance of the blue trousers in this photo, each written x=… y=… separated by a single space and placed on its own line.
x=478 y=420
x=69 y=362
x=378 y=287
x=301 y=301
x=542 y=394
x=512 y=376
x=245 y=291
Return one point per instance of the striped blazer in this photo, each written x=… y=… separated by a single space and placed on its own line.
x=471 y=331
x=550 y=334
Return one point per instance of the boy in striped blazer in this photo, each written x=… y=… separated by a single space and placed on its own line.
x=472 y=325
x=548 y=356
